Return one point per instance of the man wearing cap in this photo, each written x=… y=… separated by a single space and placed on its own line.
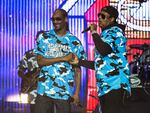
x=110 y=62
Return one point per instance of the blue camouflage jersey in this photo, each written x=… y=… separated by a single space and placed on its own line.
x=59 y=76
x=112 y=71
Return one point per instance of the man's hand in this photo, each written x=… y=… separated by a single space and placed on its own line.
x=75 y=60
x=68 y=57
x=76 y=99
x=93 y=27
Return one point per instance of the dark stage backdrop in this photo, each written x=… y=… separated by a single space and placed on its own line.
x=21 y=19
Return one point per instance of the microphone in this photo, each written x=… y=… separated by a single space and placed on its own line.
x=85 y=30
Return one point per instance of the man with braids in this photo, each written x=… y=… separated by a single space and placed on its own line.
x=110 y=62
x=54 y=49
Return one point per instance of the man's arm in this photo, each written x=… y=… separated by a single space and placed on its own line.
x=80 y=62
x=76 y=96
x=49 y=61
x=86 y=63
x=102 y=47
x=22 y=67
x=21 y=73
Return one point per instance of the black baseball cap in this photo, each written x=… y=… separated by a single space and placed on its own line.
x=112 y=11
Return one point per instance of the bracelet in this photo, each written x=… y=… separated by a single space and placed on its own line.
x=93 y=32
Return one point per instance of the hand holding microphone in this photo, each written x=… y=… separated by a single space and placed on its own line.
x=86 y=29
x=92 y=27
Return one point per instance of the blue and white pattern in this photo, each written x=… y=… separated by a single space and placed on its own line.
x=59 y=76
x=112 y=71
x=29 y=63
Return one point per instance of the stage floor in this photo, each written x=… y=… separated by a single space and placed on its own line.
x=139 y=102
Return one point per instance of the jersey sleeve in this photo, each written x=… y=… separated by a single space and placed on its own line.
x=78 y=49
x=23 y=63
x=39 y=46
x=116 y=39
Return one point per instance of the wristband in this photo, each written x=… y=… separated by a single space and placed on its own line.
x=93 y=32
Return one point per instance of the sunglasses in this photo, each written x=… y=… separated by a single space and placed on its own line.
x=57 y=19
x=102 y=16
